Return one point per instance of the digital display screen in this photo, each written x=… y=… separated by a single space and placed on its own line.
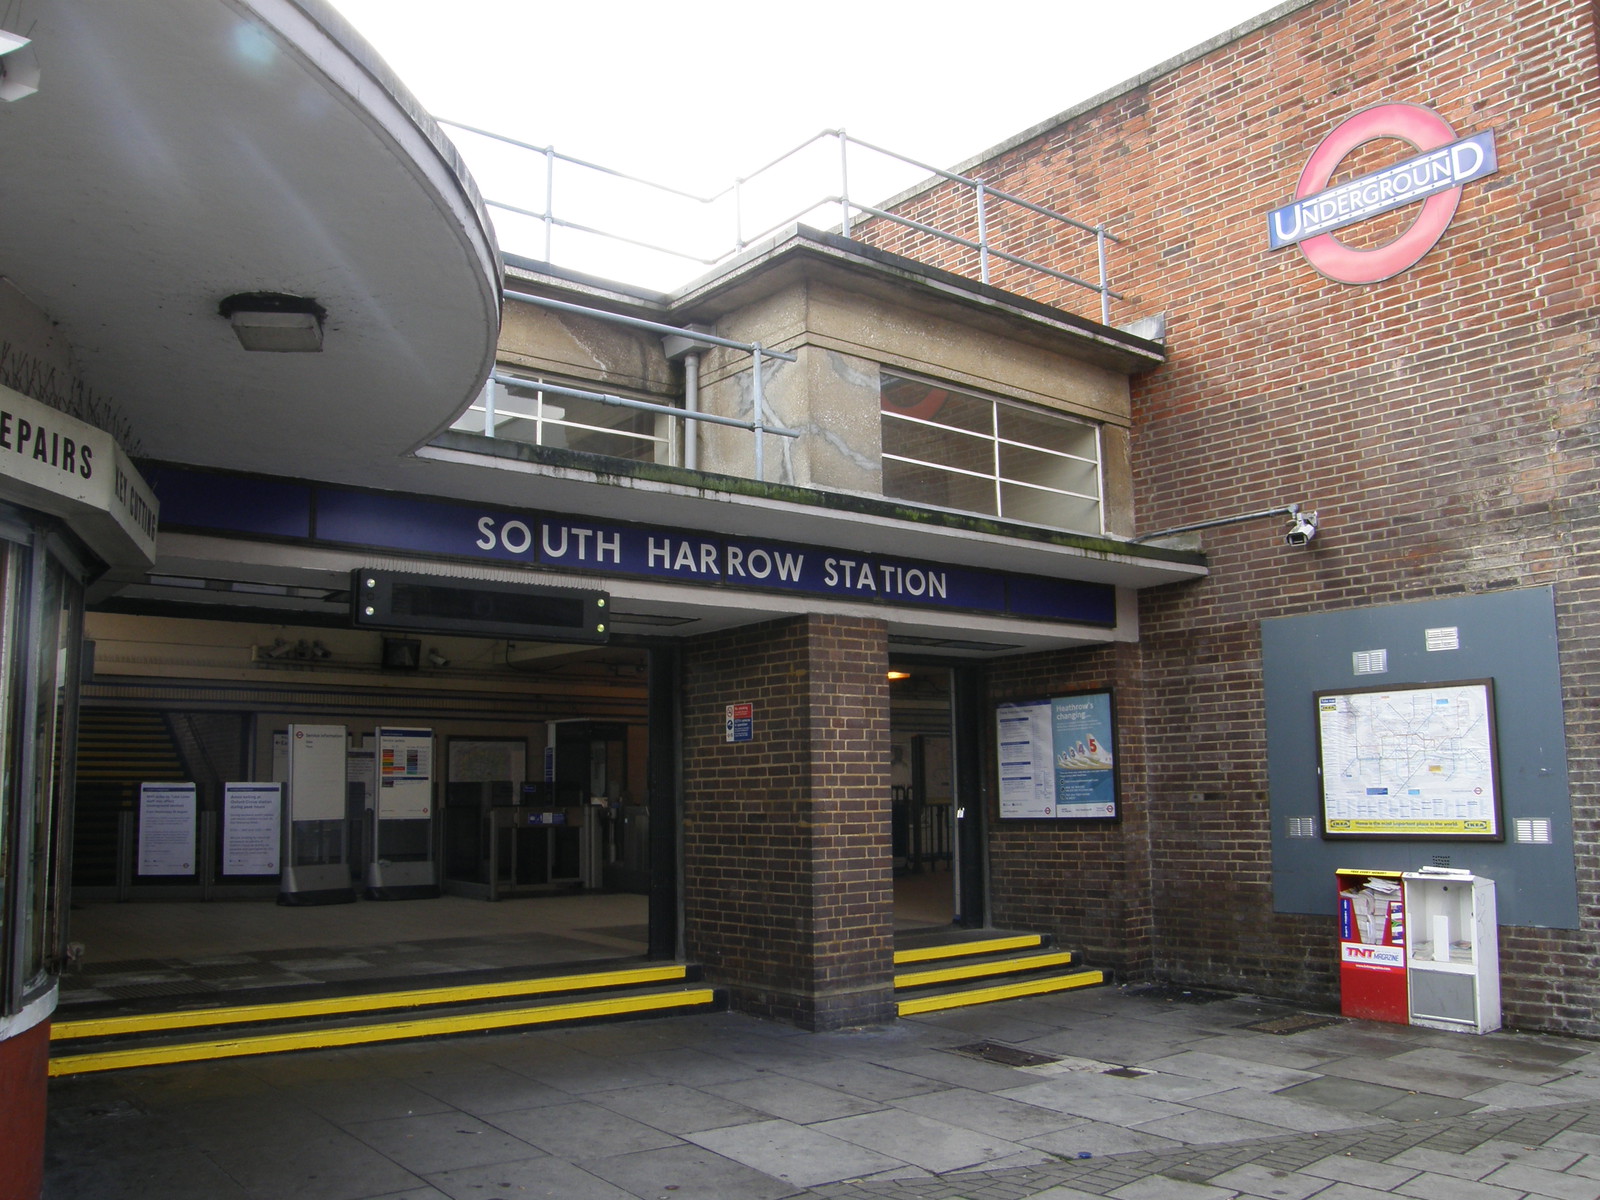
x=429 y=603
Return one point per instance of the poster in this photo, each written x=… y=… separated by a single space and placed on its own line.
x=251 y=834
x=166 y=829
x=1057 y=758
x=1413 y=761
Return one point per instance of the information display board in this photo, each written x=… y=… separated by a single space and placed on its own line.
x=1413 y=761
x=166 y=829
x=1057 y=758
x=251 y=830
x=405 y=774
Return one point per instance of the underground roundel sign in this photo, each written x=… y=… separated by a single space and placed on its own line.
x=1432 y=178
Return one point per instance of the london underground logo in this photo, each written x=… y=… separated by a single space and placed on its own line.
x=1433 y=176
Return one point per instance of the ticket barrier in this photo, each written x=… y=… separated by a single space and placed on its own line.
x=504 y=839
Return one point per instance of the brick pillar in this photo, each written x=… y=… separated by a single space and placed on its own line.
x=788 y=881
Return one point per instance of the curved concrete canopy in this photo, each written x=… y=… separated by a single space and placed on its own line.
x=180 y=151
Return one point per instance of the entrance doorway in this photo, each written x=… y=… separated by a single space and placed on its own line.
x=923 y=779
x=538 y=830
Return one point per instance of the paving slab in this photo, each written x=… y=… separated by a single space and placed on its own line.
x=688 y=1171
x=580 y=1131
x=544 y=1177
x=794 y=1153
x=440 y=1142
x=936 y=1146
x=987 y=1113
x=677 y=1109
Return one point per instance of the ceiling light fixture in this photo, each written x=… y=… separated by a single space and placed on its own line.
x=275 y=321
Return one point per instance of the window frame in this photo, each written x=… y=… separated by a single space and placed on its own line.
x=995 y=441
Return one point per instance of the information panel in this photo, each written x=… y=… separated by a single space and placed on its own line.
x=1415 y=761
x=1057 y=758
x=166 y=828
x=405 y=774
x=251 y=831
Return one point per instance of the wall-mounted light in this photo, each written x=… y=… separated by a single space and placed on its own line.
x=19 y=67
x=275 y=321
x=895 y=676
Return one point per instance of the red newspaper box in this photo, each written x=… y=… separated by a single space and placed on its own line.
x=1372 y=946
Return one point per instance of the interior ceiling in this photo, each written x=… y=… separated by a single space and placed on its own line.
x=180 y=151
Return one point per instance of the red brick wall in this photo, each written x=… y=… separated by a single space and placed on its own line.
x=1443 y=423
x=788 y=893
x=1087 y=883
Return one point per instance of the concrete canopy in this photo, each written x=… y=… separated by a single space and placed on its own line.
x=180 y=151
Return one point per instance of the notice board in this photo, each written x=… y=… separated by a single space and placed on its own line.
x=1057 y=758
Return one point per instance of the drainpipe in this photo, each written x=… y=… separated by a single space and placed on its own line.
x=676 y=347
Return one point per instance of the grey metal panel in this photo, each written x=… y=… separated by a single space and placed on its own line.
x=1508 y=636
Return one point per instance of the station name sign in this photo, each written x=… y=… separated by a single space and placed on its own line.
x=1406 y=182
x=413 y=525
x=1433 y=178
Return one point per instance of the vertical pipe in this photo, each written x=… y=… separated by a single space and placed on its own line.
x=488 y=408
x=549 y=200
x=760 y=419
x=1105 y=290
x=844 y=182
x=983 y=234
x=691 y=403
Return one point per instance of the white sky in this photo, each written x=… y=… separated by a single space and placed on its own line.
x=697 y=94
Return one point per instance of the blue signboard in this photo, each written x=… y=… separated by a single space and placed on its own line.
x=417 y=525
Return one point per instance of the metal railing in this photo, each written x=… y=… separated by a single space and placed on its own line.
x=984 y=220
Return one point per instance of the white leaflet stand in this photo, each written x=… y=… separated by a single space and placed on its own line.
x=1452 y=950
x=316 y=867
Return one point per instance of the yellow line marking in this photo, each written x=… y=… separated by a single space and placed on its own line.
x=367 y=1002
x=1021 y=941
x=978 y=970
x=1007 y=991
x=275 y=1043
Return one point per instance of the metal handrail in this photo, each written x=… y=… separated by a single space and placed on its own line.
x=984 y=194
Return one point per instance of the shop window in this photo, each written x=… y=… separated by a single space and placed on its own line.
x=946 y=448
x=538 y=417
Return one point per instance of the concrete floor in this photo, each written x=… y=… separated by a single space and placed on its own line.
x=160 y=952
x=1130 y=1096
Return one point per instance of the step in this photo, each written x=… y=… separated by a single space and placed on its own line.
x=993 y=993
x=968 y=947
x=201 y=1034
x=984 y=970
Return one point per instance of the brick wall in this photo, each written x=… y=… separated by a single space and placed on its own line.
x=788 y=895
x=1443 y=423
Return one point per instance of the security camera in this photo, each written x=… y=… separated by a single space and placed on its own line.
x=1302 y=530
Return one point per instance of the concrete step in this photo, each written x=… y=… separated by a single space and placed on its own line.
x=984 y=970
x=198 y=1034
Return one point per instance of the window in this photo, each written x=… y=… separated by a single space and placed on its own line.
x=41 y=626
x=953 y=449
x=540 y=417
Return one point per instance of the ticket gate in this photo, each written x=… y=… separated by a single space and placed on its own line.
x=504 y=839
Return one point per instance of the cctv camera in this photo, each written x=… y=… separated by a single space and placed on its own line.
x=1303 y=530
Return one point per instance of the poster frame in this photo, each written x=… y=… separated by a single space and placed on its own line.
x=1104 y=700
x=1496 y=807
